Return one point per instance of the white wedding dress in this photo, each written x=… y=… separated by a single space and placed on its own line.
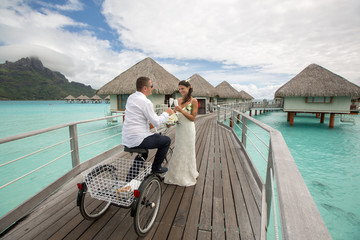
x=182 y=166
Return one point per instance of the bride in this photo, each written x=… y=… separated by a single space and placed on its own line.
x=182 y=166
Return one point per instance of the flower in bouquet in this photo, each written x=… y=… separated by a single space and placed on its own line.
x=188 y=107
x=173 y=119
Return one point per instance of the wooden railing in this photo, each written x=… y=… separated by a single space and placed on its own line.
x=284 y=186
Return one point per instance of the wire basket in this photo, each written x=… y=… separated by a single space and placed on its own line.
x=114 y=180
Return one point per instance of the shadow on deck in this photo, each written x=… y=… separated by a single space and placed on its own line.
x=224 y=204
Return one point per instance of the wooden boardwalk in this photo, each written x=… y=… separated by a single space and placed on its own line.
x=224 y=204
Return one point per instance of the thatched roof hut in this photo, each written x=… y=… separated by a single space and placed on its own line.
x=225 y=90
x=70 y=97
x=96 y=97
x=202 y=88
x=316 y=81
x=245 y=95
x=81 y=97
x=125 y=83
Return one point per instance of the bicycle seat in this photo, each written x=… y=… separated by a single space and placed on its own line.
x=134 y=150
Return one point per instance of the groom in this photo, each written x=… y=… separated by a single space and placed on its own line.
x=139 y=111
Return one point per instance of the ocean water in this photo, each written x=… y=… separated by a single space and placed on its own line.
x=23 y=116
x=328 y=160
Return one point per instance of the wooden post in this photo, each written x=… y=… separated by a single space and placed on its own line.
x=292 y=115
x=332 y=120
x=288 y=116
x=260 y=112
x=231 y=123
x=74 y=144
x=322 y=117
x=255 y=112
x=317 y=115
x=238 y=118
x=250 y=112
x=243 y=130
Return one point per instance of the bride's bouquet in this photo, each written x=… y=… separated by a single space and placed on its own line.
x=173 y=119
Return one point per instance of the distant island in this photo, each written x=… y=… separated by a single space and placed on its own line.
x=28 y=79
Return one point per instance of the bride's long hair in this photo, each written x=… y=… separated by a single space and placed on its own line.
x=186 y=84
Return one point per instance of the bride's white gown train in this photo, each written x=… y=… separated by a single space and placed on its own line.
x=182 y=166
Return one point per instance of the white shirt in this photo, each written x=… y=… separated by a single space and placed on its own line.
x=139 y=111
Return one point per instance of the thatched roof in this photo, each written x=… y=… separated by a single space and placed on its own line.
x=69 y=98
x=316 y=81
x=125 y=83
x=225 y=90
x=245 y=95
x=202 y=88
x=96 y=97
x=82 y=97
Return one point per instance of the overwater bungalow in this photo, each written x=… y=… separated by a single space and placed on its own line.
x=204 y=92
x=96 y=99
x=317 y=90
x=107 y=99
x=226 y=94
x=119 y=89
x=82 y=99
x=245 y=97
x=70 y=99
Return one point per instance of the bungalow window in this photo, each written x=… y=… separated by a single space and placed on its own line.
x=121 y=101
x=318 y=99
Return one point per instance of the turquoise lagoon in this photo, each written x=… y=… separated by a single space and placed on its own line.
x=18 y=117
x=328 y=159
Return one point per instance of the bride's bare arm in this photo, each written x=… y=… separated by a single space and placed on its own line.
x=194 y=110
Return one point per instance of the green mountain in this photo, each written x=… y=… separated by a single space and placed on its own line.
x=28 y=79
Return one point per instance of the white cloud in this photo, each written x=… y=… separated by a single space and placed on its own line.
x=71 y=5
x=270 y=40
x=80 y=56
x=280 y=36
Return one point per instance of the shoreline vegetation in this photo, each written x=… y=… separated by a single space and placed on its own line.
x=27 y=79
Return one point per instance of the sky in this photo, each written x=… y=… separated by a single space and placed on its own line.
x=255 y=45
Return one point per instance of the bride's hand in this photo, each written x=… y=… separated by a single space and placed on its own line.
x=177 y=109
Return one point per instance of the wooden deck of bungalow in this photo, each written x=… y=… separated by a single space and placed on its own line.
x=224 y=204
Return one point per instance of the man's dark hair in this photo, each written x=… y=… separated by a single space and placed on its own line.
x=142 y=82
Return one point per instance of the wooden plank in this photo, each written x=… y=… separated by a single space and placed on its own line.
x=182 y=213
x=167 y=219
x=115 y=221
x=165 y=199
x=245 y=228
x=231 y=226
x=204 y=235
x=191 y=227
x=206 y=209
x=218 y=212
x=176 y=233
x=44 y=211
x=253 y=211
x=252 y=176
x=97 y=225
